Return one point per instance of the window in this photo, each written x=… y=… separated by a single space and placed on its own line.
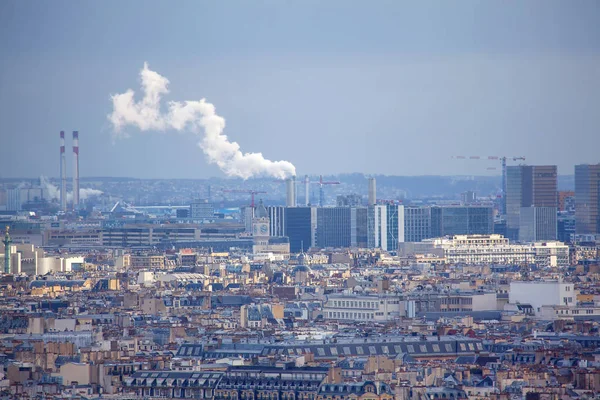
x=410 y=348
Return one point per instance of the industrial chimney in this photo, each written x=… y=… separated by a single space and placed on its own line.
x=306 y=191
x=75 y=170
x=63 y=173
x=372 y=192
x=290 y=192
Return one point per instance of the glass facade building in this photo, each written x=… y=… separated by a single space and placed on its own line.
x=276 y=220
x=385 y=226
x=334 y=227
x=538 y=224
x=358 y=220
x=417 y=223
x=528 y=186
x=461 y=220
x=300 y=223
x=587 y=199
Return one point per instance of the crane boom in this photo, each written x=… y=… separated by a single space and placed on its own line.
x=251 y=192
x=503 y=160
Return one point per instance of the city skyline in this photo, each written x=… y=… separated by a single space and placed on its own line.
x=390 y=89
x=300 y=200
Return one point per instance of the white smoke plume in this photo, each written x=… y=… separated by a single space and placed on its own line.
x=86 y=193
x=197 y=116
x=53 y=192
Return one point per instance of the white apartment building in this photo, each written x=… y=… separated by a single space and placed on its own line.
x=468 y=301
x=551 y=313
x=357 y=307
x=496 y=249
x=553 y=254
x=542 y=293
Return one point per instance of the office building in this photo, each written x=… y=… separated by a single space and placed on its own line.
x=202 y=210
x=385 y=226
x=587 y=199
x=276 y=216
x=528 y=186
x=537 y=224
x=246 y=216
x=417 y=223
x=334 y=227
x=565 y=228
x=372 y=197
x=461 y=220
x=359 y=231
x=131 y=235
x=300 y=226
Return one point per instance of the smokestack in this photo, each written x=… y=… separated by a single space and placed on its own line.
x=75 y=170
x=306 y=191
x=372 y=192
x=295 y=192
x=290 y=192
x=63 y=173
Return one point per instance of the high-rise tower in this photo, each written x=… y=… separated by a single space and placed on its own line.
x=587 y=199
x=529 y=186
x=372 y=192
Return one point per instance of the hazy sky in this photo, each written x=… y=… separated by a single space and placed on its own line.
x=386 y=87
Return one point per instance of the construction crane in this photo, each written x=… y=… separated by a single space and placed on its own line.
x=503 y=160
x=251 y=192
x=322 y=183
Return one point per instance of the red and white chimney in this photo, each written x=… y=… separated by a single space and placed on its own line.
x=75 y=170
x=63 y=173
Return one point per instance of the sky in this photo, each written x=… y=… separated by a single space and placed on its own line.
x=379 y=87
